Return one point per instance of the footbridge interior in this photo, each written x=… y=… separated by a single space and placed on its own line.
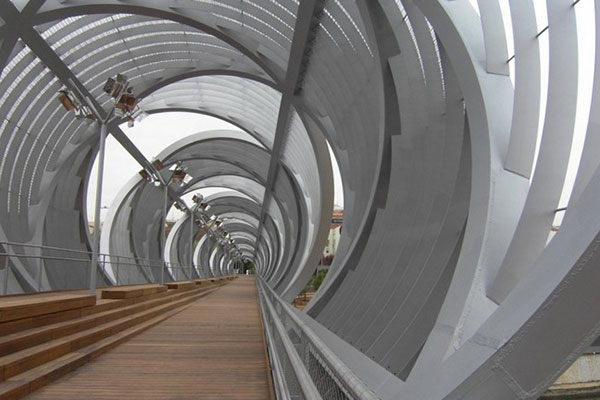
x=466 y=134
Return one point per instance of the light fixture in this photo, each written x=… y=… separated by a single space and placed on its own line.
x=115 y=86
x=136 y=115
x=156 y=163
x=84 y=112
x=145 y=175
x=197 y=198
x=178 y=175
x=70 y=102
x=126 y=104
x=67 y=99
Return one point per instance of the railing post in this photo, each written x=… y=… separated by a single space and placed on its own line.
x=104 y=264
x=5 y=280
x=118 y=269
x=162 y=273
x=38 y=276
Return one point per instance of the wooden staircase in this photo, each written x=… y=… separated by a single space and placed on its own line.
x=45 y=336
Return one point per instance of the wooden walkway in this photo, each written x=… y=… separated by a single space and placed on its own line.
x=214 y=349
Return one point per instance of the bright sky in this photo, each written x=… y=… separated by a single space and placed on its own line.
x=151 y=136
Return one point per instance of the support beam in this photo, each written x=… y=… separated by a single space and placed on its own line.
x=20 y=26
x=309 y=14
x=18 y=23
x=6 y=48
x=308 y=18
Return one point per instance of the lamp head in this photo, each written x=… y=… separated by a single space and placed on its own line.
x=197 y=198
x=67 y=100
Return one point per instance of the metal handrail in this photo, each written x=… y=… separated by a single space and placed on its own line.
x=307 y=386
x=142 y=262
x=281 y=389
x=344 y=375
x=115 y=261
x=135 y=260
x=37 y=246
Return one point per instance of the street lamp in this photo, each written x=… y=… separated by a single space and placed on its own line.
x=70 y=102
x=177 y=175
x=125 y=102
x=197 y=199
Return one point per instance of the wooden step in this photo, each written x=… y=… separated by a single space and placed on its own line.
x=23 y=360
x=18 y=341
x=181 y=285
x=209 y=281
x=101 y=305
x=22 y=307
x=27 y=382
x=126 y=292
x=43 y=328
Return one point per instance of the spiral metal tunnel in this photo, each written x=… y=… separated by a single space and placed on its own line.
x=452 y=122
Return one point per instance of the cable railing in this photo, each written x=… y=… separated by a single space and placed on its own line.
x=302 y=365
x=39 y=261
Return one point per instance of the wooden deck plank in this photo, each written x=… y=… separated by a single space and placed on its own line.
x=127 y=292
x=181 y=285
x=212 y=350
x=22 y=307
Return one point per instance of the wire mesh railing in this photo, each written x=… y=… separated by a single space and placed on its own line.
x=303 y=366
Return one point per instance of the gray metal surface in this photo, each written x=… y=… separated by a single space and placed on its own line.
x=448 y=275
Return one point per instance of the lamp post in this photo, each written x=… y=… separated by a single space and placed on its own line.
x=178 y=175
x=164 y=233
x=99 y=181
x=197 y=199
x=125 y=104
x=192 y=210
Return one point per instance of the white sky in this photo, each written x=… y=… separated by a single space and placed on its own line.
x=586 y=31
x=151 y=136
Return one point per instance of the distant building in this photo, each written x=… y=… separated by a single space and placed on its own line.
x=333 y=239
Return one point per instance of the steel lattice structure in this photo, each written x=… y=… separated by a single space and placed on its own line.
x=454 y=151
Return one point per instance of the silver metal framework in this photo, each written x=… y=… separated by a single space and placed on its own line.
x=453 y=143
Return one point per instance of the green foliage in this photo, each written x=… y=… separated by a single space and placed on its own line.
x=315 y=282
x=318 y=278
